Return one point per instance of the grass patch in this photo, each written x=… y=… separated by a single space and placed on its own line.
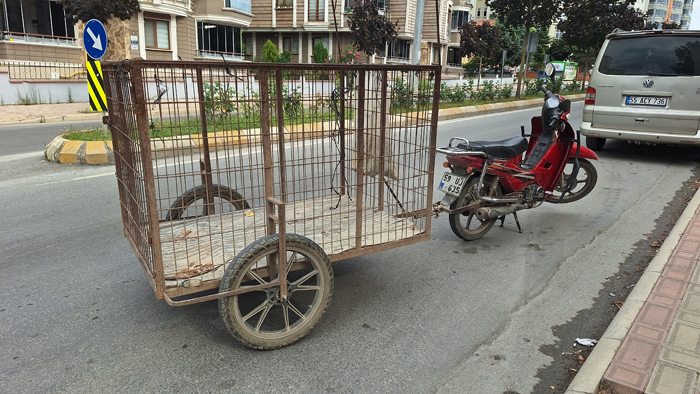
x=86 y=135
x=166 y=129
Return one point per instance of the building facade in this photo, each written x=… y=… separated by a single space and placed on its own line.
x=667 y=11
x=39 y=30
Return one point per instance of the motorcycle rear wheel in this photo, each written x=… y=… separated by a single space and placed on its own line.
x=466 y=225
x=585 y=182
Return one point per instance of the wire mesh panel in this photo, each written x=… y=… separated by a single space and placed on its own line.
x=346 y=152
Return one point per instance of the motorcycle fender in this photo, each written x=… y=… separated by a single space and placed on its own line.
x=447 y=200
x=584 y=153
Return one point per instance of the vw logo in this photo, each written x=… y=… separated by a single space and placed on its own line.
x=648 y=83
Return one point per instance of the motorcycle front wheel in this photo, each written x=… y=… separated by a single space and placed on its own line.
x=466 y=225
x=586 y=179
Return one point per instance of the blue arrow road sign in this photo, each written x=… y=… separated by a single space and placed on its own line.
x=95 y=39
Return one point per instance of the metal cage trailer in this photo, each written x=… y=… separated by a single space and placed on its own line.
x=242 y=182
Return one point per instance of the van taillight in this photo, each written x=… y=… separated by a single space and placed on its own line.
x=590 y=96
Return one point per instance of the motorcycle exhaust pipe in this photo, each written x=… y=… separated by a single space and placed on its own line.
x=495 y=212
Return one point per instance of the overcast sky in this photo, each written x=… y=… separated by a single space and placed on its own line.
x=695 y=18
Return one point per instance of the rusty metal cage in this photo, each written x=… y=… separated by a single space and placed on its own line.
x=211 y=157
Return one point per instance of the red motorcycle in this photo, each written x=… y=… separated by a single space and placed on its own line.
x=491 y=179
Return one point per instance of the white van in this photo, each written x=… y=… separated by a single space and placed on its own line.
x=645 y=87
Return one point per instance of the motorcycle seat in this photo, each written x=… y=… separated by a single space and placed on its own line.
x=505 y=149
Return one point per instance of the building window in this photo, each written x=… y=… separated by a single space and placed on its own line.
x=399 y=49
x=453 y=58
x=459 y=18
x=285 y=3
x=478 y=12
x=248 y=45
x=157 y=34
x=382 y=5
x=238 y=5
x=42 y=19
x=486 y=13
x=317 y=10
x=216 y=40
x=290 y=44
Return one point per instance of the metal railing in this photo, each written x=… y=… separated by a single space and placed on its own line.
x=37 y=38
x=27 y=71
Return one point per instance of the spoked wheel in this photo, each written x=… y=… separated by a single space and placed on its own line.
x=193 y=203
x=466 y=225
x=585 y=182
x=263 y=319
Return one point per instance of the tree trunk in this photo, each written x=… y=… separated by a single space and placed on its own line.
x=478 y=81
x=522 y=62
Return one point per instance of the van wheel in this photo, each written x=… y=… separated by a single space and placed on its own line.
x=595 y=143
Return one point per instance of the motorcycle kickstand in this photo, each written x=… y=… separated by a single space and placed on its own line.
x=515 y=215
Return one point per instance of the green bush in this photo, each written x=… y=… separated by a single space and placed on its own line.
x=532 y=86
x=505 y=91
x=270 y=53
x=401 y=95
x=285 y=57
x=320 y=53
x=486 y=92
x=219 y=101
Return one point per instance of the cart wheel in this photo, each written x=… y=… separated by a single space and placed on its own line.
x=192 y=202
x=260 y=319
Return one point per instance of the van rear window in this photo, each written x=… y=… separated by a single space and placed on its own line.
x=652 y=55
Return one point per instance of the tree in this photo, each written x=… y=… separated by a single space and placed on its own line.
x=370 y=30
x=84 y=10
x=664 y=26
x=559 y=50
x=270 y=53
x=587 y=22
x=112 y=14
x=528 y=14
x=511 y=42
x=320 y=52
x=481 y=40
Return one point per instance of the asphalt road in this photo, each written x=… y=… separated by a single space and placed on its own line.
x=21 y=140
x=445 y=316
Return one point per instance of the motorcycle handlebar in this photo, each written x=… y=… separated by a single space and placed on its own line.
x=544 y=90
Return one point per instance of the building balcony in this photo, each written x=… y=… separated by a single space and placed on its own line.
x=217 y=55
x=38 y=38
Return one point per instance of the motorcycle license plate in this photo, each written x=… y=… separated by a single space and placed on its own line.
x=452 y=184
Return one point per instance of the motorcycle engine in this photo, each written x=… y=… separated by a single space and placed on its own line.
x=533 y=192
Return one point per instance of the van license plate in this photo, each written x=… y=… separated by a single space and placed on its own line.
x=646 y=100
x=452 y=184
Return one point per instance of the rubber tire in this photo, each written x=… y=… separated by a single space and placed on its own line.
x=229 y=307
x=595 y=143
x=591 y=180
x=464 y=199
x=179 y=206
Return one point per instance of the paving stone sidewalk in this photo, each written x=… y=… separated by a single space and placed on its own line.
x=46 y=113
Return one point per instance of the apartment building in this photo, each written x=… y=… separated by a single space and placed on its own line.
x=666 y=11
x=38 y=30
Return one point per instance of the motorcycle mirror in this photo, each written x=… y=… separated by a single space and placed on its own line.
x=549 y=70
x=565 y=105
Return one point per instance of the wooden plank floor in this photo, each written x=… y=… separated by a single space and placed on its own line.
x=217 y=239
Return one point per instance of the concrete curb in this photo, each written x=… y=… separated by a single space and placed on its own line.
x=63 y=151
x=591 y=373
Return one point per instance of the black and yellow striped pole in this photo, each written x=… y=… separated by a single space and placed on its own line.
x=96 y=86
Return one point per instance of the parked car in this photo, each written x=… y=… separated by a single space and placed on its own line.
x=645 y=87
